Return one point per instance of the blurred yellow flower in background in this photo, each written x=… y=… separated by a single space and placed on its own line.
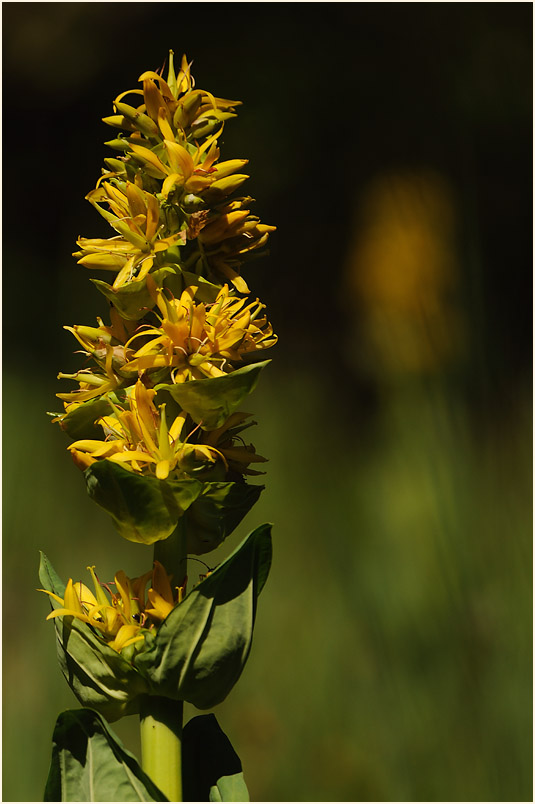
x=402 y=271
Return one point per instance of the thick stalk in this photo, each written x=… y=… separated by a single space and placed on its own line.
x=161 y=718
x=171 y=552
x=161 y=744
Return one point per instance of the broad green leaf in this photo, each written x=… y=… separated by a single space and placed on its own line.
x=218 y=509
x=132 y=301
x=143 y=509
x=211 y=401
x=89 y=763
x=80 y=422
x=212 y=770
x=98 y=675
x=201 y=648
x=146 y=510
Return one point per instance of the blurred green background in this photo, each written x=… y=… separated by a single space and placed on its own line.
x=391 y=146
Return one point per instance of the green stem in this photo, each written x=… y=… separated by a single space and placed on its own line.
x=171 y=552
x=161 y=744
x=161 y=718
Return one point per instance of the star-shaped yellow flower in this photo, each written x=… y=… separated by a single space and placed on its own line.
x=195 y=340
x=121 y=618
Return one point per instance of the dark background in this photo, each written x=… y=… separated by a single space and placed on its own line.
x=391 y=146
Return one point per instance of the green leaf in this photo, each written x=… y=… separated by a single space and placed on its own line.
x=98 y=675
x=143 y=509
x=201 y=648
x=146 y=510
x=89 y=763
x=132 y=301
x=206 y=291
x=212 y=770
x=211 y=401
x=48 y=576
x=80 y=422
x=218 y=509
x=179 y=279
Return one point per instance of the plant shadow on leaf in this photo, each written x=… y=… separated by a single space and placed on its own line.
x=146 y=510
x=200 y=650
x=89 y=763
x=212 y=770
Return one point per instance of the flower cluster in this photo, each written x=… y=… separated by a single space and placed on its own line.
x=139 y=439
x=180 y=309
x=121 y=618
x=168 y=189
x=155 y=415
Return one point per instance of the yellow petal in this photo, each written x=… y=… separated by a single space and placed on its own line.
x=176 y=428
x=123 y=587
x=159 y=608
x=136 y=199
x=100 y=594
x=131 y=455
x=68 y=613
x=161 y=583
x=71 y=599
x=171 y=182
x=162 y=469
x=145 y=415
x=103 y=262
x=98 y=449
x=180 y=160
x=152 y=96
x=153 y=216
x=56 y=597
x=138 y=588
x=86 y=596
x=150 y=158
x=229 y=166
x=126 y=635
x=146 y=265
x=163 y=122
x=112 y=244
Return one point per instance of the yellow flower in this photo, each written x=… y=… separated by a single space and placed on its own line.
x=138 y=438
x=114 y=618
x=105 y=344
x=121 y=618
x=170 y=108
x=160 y=597
x=227 y=239
x=172 y=152
x=198 y=340
x=163 y=127
x=136 y=215
x=167 y=198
